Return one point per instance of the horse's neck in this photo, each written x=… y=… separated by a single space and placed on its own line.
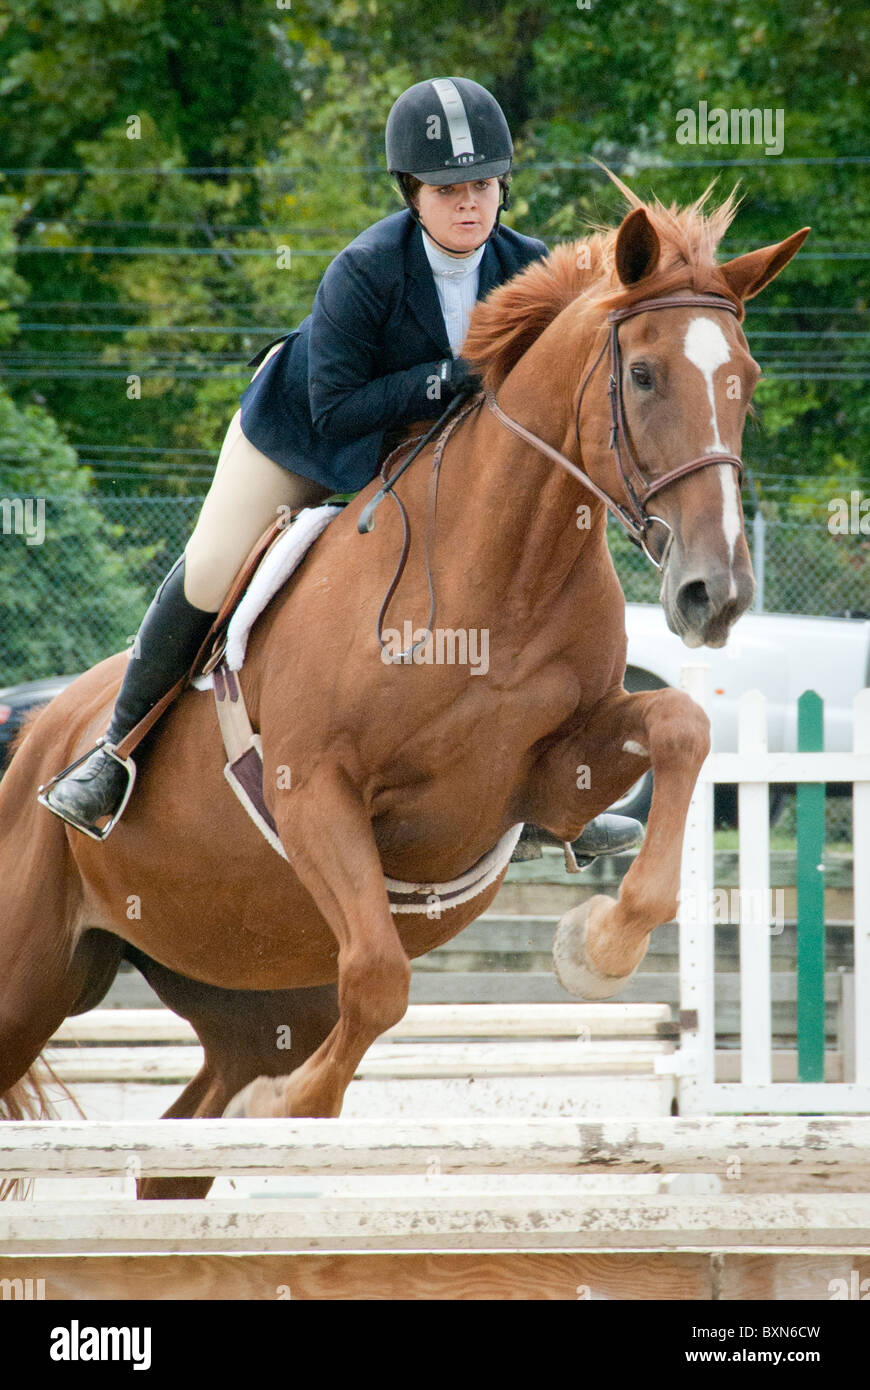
x=515 y=516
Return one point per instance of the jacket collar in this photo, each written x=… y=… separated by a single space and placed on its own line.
x=422 y=297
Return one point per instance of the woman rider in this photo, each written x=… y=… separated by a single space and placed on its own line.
x=380 y=349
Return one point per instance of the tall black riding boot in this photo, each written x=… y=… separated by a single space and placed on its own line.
x=169 y=638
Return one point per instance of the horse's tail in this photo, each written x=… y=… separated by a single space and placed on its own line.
x=29 y=1099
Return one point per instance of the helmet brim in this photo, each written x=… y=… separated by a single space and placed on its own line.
x=462 y=173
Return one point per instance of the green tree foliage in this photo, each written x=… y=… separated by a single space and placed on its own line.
x=300 y=93
x=285 y=105
x=69 y=592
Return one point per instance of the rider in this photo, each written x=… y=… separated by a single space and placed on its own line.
x=380 y=349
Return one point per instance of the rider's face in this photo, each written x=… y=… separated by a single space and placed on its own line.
x=459 y=215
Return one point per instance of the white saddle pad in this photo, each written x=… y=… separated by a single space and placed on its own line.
x=275 y=570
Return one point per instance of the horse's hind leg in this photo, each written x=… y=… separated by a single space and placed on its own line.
x=43 y=982
x=42 y=970
x=35 y=998
x=245 y=1034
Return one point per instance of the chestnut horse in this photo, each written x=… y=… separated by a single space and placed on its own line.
x=415 y=770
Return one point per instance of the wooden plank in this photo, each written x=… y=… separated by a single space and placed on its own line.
x=768 y=1278
x=697 y=962
x=662 y=986
x=760 y=1276
x=89 y=1148
x=499 y=936
x=861 y=891
x=493 y=1097
x=162 y=1064
x=811 y=900
x=803 y=1098
x=580 y=1056
x=511 y=987
x=754 y=830
x=788 y=767
x=447 y=1219
x=401 y=1276
x=783 y=1065
x=421 y=1020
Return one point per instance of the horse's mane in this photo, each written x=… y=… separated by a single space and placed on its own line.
x=506 y=324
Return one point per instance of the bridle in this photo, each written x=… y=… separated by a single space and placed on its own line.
x=633 y=516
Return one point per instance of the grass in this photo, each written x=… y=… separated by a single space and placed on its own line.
x=783 y=833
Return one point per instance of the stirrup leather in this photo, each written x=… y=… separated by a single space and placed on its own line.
x=92 y=830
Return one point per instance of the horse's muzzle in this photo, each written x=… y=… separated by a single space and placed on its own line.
x=705 y=607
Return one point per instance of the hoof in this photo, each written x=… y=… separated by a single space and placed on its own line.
x=574 y=971
x=260 y=1099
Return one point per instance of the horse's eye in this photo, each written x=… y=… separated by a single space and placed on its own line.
x=641 y=375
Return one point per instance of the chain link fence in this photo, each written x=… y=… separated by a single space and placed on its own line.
x=800 y=567
x=80 y=594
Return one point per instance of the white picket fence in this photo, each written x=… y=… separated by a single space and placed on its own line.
x=753 y=767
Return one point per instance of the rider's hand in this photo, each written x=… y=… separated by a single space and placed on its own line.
x=459 y=378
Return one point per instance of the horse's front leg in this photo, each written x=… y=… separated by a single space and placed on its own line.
x=600 y=944
x=329 y=842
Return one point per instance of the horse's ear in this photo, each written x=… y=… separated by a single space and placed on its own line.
x=637 y=248
x=747 y=275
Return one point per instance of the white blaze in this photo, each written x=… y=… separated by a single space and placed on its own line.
x=706 y=347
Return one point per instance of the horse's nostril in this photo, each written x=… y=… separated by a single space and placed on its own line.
x=693 y=601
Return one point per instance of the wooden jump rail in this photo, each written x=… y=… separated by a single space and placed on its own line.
x=446 y=1209
x=432 y=1040
x=812 y=1147
x=492 y=1206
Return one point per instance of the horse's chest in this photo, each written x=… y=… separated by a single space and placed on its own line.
x=488 y=734
x=454 y=787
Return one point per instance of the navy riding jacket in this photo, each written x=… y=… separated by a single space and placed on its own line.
x=362 y=363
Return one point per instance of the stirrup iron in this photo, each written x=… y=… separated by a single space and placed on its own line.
x=93 y=831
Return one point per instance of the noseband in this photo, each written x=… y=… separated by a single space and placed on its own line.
x=633 y=515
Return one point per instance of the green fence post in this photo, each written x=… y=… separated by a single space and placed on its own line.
x=810 y=900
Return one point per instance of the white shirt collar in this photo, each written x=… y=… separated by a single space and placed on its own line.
x=449 y=266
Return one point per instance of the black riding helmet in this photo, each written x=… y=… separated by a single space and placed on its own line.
x=448 y=130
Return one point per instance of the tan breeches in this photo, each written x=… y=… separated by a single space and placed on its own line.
x=244 y=497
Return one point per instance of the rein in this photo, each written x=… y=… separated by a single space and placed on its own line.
x=431 y=510
x=633 y=516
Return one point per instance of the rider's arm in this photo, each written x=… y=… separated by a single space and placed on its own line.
x=349 y=393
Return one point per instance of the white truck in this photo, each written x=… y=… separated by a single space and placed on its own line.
x=781 y=654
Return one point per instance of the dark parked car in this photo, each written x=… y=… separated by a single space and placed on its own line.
x=16 y=702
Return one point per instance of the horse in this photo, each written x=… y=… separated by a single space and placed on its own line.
x=381 y=764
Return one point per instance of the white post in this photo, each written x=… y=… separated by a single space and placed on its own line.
x=697 y=955
x=755 y=916
x=861 y=891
